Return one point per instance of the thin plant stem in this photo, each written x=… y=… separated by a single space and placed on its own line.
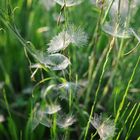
x=126 y=91
x=98 y=88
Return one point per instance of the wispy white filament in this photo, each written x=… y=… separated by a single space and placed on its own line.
x=105 y=127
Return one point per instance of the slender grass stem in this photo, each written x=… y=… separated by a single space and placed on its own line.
x=133 y=121
x=98 y=88
x=126 y=91
x=126 y=120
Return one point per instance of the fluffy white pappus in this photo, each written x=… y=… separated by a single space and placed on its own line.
x=104 y=126
x=75 y=36
x=52 y=109
x=68 y=3
x=59 y=42
x=46 y=121
x=48 y=4
x=66 y=122
x=96 y=121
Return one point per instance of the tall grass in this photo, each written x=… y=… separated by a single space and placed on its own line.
x=69 y=70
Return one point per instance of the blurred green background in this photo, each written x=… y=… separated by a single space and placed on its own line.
x=31 y=17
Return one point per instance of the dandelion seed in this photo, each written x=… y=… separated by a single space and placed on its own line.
x=51 y=109
x=57 y=61
x=61 y=90
x=59 y=42
x=67 y=88
x=46 y=90
x=118 y=19
x=77 y=36
x=68 y=3
x=40 y=117
x=48 y=4
x=2 y=119
x=35 y=119
x=116 y=30
x=73 y=35
x=123 y=10
x=34 y=123
x=53 y=61
x=46 y=121
x=66 y=122
x=104 y=127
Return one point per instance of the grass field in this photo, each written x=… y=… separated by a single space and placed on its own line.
x=69 y=70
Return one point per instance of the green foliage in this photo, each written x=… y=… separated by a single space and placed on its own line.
x=64 y=62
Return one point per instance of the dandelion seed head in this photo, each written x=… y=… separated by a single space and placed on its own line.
x=51 y=109
x=69 y=3
x=40 y=117
x=106 y=130
x=46 y=121
x=124 y=7
x=77 y=36
x=96 y=121
x=71 y=35
x=59 y=42
x=34 y=123
x=68 y=86
x=66 y=122
x=105 y=127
